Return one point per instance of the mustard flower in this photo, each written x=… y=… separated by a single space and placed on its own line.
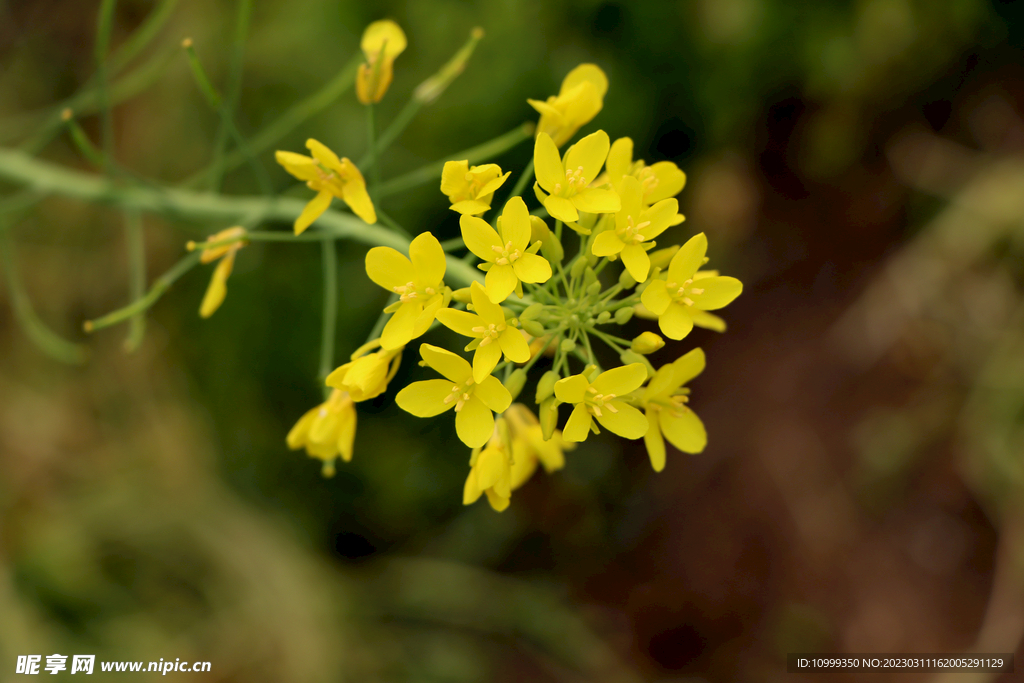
x=382 y=42
x=490 y=471
x=647 y=343
x=509 y=259
x=472 y=401
x=659 y=181
x=330 y=177
x=366 y=375
x=635 y=226
x=664 y=401
x=470 y=189
x=676 y=299
x=567 y=181
x=327 y=431
x=529 y=447
x=218 y=288
x=601 y=399
x=419 y=283
x=578 y=102
x=492 y=334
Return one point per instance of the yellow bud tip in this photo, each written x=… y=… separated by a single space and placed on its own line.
x=186 y=43
x=190 y=245
x=88 y=326
x=477 y=33
x=67 y=114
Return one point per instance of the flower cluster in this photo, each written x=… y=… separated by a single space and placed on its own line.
x=544 y=296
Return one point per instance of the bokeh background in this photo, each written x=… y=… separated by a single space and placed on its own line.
x=858 y=164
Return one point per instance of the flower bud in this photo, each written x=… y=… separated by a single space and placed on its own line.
x=462 y=295
x=629 y=356
x=552 y=249
x=515 y=382
x=603 y=317
x=548 y=415
x=546 y=385
x=382 y=42
x=647 y=342
x=623 y=315
x=531 y=312
x=594 y=288
x=568 y=345
x=626 y=280
x=577 y=267
x=532 y=327
x=661 y=257
x=538 y=229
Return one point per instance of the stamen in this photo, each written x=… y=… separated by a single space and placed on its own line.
x=696 y=290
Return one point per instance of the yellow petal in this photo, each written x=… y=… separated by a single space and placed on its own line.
x=384 y=34
x=484 y=360
x=452 y=366
x=453 y=177
x=494 y=394
x=685 y=431
x=675 y=322
x=218 y=288
x=547 y=163
x=479 y=237
x=354 y=194
x=491 y=465
x=491 y=186
x=708 y=321
x=400 y=329
x=660 y=216
x=631 y=197
x=388 y=268
x=589 y=153
x=489 y=312
x=532 y=268
x=426 y=318
x=626 y=421
x=313 y=210
x=471 y=492
x=571 y=389
x=426 y=398
x=474 y=423
x=346 y=431
x=498 y=502
x=621 y=380
x=297 y=435
x=662 y=384
x=656 y=297
x=607 y=243
x=687 y=367
x=578 y=426
x=671 y=181
x=635 y=258
x=470 y=207
x=718 y=293
x=324 y=155
x=514 y=345
x=561 y=209
x=299 y=165
x=500 y=282
x=688 y=259
x=654 y=442
x=515 y=224
x=460 y=322
x=620 y=158
x=586 y=73
x=428 y=260
x=597 y=200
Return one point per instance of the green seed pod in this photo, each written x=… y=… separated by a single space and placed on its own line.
x=626 y=280
x=546 y=385
x=532 y=327
x=629 y=356
x=568 y=345
x=647 y=342
x=515 y=382
x=531 y=312
x=577 y=267
x=603 y=317
x=624 y=315
x=548 y=414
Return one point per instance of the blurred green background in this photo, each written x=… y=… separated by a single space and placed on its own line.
x=859 y=165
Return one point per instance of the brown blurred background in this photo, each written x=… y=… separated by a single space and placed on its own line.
x=859 y=165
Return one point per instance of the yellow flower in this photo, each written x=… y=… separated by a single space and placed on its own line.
x=579 y=100
x=680 y=300
x=529 y=447
x=492 y=334
x=330 y=177
x=635 y=226
x=506 y=258
x=327 y=431
x=601 y=399
x=472 y=401
x=382 y=42
x=664 y=401
x=470 y=189
x=567 y=181
x=419 y=284
x=659 y=181
x=218 y=288
x=490 y=471
x=367 y=376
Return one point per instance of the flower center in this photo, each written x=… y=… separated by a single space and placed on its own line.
x=596 y=402
x=574 y=182
x=505 y=255
x=683 y=292
x=460 y=393
x=648 y=181
x=630 y=233
x=408 y=292
x=490 y=333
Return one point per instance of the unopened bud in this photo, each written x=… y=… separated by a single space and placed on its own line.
x=532 y=327
x=546 y=385
x=578 y=266
x=538 y=229
x=594 y=288
x=647 y=342
x=462 y=295
x=548 y=415
x=629 y=356
x=515 y=382
x=568 y=346
x=531 y=312
x=603 y=317
x=623 y=315
x=626 y=280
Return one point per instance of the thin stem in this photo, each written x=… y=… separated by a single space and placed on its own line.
x=84 y=145
x=399 y=124
x=371 y=137
x=134 y=239
x=161 y=285
x=454 y=244
x=391 y=223
x=590 y=351
x=481 y=152
x=381 y=319
x=233 y=91
x=330 y=315
x=610 y=340
x=104 y=26
x=523 y=179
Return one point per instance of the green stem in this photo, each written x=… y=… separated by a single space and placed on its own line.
x=391 y=223
x=103 y=29
x=45 y=178
x=330 y=315
x=482 y=152
x=381 y=319
x=399 y=124
x=454 y=244
x=523 y=179
x=233 y=91
x=134 y=239
x=371 y=136
x=161 y=285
